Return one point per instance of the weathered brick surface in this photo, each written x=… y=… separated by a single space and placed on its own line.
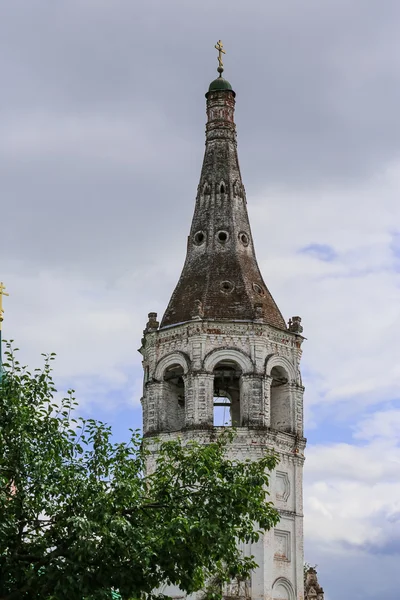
x=312 y=589
x=221 y=274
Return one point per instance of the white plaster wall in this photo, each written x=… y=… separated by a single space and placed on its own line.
x=285 y=491
x=257 y=348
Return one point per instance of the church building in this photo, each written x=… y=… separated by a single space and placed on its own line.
x=224 y=356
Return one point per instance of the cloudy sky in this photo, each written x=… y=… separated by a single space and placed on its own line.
x=101 y=142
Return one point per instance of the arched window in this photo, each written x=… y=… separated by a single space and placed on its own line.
x=282 y=589
x=280 y=400
x=227 y=376
x=206 y=189
x=174 y=397
x=222 y=188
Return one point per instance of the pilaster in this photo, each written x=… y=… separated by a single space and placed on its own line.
x=267 y=400
x=297 y=392
x=252 y=400
x=202 y=386
x=151 y=407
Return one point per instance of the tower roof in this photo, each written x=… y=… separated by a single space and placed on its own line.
x=221 y=278
x=219 y=84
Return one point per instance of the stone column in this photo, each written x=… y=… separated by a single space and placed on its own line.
x=189 y=401
x=164 y=406
x=245 y=399
x=251 y=400
x=267 y=400
x=297 y=392
x=203 y=405
x=151 y=403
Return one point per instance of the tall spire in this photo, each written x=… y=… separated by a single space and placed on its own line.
x=221 y=278
x=2 y=293
x=223 y=356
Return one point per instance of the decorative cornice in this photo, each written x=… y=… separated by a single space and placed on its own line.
x=250 y=328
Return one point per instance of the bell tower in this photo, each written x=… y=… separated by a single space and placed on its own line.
x=224 y=356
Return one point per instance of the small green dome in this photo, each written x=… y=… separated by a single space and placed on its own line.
x=219 y=84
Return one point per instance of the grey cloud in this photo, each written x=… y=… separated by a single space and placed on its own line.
x=389 y=542
x=317 y=87
x=356 y=575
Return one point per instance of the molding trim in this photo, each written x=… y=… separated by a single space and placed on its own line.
x=285 y=585
x=275 y=360
x=235 y=354
x=176 y=358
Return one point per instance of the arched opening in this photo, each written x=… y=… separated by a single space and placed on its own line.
x=174 y=397
x=280 y=400
x=282 y=589
x=227 y=376
x=222 y=188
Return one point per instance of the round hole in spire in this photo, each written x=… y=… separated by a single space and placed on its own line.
x=258 y=289
x=199 y=238
x=222 y=236
x=227 y=287
x=244 y=238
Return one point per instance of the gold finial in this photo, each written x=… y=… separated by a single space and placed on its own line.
x=2 y=293
x=220 y=47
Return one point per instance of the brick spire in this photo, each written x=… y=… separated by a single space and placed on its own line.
x=221 y=278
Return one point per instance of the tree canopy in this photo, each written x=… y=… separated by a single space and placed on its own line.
x=82 y=519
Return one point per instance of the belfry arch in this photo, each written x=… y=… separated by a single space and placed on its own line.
x=280 y=399
x=226 y=393
x=168 y=383
x=233 y=354
x=275 y=360
x=281 y=375
x=174 y=397
x=179 y=358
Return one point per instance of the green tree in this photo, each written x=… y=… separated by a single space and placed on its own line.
x=80 y=516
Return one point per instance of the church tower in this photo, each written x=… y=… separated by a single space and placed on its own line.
x=224 y=356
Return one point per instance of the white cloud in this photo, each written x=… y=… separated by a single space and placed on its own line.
x=385 y=425
x=94 y=328
x=125 y=139
x=347 y=462
x=351 y=305
x=352 y=493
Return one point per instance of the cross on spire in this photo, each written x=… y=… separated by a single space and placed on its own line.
x=220 y=47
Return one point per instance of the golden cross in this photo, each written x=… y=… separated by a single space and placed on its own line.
x=2 y=293
x=220 y=47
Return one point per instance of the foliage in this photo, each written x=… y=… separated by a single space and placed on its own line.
x=80 y=516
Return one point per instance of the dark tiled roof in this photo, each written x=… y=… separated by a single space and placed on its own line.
x=221 y=278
